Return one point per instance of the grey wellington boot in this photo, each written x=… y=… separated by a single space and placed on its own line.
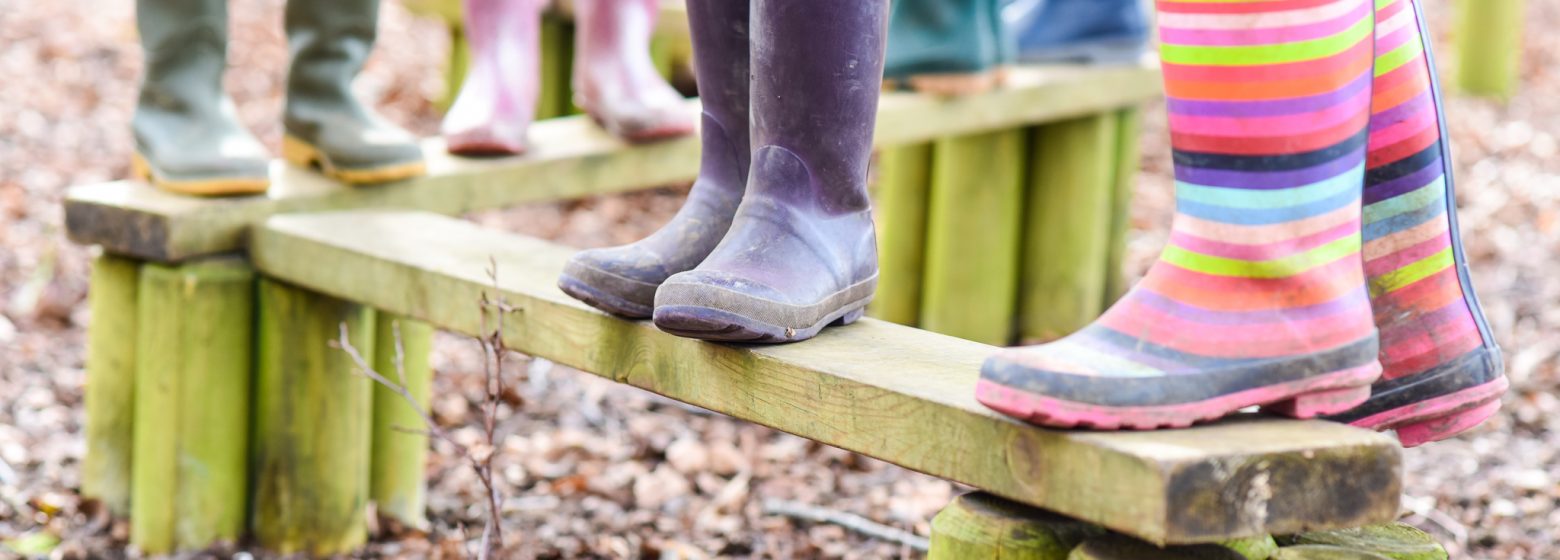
x=622 y=280
x=327 y=127
x=187 y=136
x=801 y=253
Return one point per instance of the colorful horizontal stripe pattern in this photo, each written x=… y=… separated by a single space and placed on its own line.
x=1415 y=289
x=1269 y=106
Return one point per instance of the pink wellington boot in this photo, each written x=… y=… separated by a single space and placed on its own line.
x=497 y=101
x=615 y=80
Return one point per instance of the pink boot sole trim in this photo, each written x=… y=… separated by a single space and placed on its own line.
x=1306 y=398
x=1441 y=417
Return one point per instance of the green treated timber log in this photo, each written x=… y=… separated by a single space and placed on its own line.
x=312 y=417
x=1393 y=540
x=1129 y=123
x=979 y=525
x=1324 y=552
x=1067 y=228
x=903 y=180
x=110 y=390
x=569 y=158
x=899 y=394
x=557 y=44
x=970 y=278
x=398 y=475
x=192 y=394
x=1489 y=46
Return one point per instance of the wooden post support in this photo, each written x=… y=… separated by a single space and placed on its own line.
x=460 y=63
x=979 y=525
x=1324 y=552
x=1489 y=46
x=903 y=180
x=1117 y=547
x=1129 y=123
x=110 y=390
x=400 y=449
x=1393 y=540
x=557 y=44
x=192 y=394
x=969 y=286
x=312 y=415
x=1067 y=228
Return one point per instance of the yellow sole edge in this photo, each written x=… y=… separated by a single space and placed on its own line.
x=305 y=155
x=223 y=186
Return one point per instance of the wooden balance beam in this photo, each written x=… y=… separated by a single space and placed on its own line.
x=895 y=393
x=570 y=158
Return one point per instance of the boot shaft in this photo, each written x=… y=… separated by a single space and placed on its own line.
x=817 y=70
x=721 y=46
x=329 y=41
x=185 y=48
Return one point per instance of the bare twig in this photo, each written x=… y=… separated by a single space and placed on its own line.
x=480 y=457
x=857 y=523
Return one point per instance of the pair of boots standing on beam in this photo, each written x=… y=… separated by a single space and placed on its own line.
x=1314 y=265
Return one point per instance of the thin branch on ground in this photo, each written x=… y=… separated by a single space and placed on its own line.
x=857 y=523
x=479 y=457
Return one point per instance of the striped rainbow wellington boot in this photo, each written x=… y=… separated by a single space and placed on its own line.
x=1441 y=369
x=1260 y=297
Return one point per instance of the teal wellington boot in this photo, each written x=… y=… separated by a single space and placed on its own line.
x=946 y=47
x=328 y=128
x=187 y=135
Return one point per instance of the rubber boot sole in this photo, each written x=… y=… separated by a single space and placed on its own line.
x=305 y=155
x=1440 y=417
x=714 y=313
x=214 y=186
x=1318 y=395
x=603 y=300
x=719 y=325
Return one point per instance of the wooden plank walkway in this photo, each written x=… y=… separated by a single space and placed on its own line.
x=571 y=158
x=899 y=394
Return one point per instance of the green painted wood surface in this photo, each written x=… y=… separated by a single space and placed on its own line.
x=1129 y=159
x=1393 y=540
x=557 y=44
x=1067 y=226
x=1489 y=46
x=190 y=469
x=903 y=182
x=979 y=525
x=312 y=418
x=1324 y=552
x=398 y=477
x=569 y=158
x=1117 y=547
x=969 y=285
x=898 y=394
x=110 y=390
x=455 y=71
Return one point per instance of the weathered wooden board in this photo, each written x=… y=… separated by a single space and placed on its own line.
x=892 y=392
x=569 y=158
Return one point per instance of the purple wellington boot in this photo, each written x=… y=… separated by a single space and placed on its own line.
x=497 y=101
x=801 y=252
x=622 y=280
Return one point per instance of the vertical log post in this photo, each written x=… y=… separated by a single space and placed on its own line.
x=970 y=282
x=192 y=395
x=979 y=525
x=312 y=417
x=1129 y=159
x=1067 y=227
x=110 y=390
x=1489 y=46
x=903 y=180
x=400 y=450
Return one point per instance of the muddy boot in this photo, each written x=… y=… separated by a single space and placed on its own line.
x=327 y=128
x=187 y=135
x=1260 y=297
x=497 y=101
x=801 y=253
x=1441 y=367
x=945 y=47
x=615 y=80
x=623 y=280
